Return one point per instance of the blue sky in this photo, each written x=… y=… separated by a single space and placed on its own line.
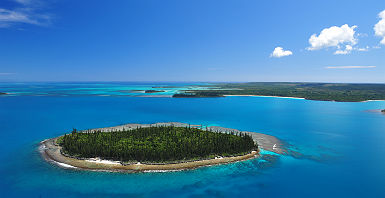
x=200 y=40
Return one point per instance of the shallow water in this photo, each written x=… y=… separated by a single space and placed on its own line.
x=339 y=147
x=99 y=89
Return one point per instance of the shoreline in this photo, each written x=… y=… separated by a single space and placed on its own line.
x=51 y=152
x=288 y=97
x=171 y=96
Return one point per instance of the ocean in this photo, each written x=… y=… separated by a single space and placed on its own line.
x=337 y=149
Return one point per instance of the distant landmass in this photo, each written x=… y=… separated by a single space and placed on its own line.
x=341 y=92
x=153 y=91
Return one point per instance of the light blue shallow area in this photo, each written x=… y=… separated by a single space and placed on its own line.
x=341 y=147
x=98 y=89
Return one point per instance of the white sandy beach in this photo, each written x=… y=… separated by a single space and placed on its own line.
x=268 y=96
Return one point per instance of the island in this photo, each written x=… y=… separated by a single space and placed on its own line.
x=383 y=111
x=2 y=93
x=153 y=91
x=339 y=92
x=155 y=147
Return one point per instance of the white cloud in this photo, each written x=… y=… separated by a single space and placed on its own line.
x=25 y=2
x=349 y=67
x=347 y=50
x=379 y=28
x=10 y=16
x=364 y=49
x=279 y=52
x=335 y=36
x=26 y=13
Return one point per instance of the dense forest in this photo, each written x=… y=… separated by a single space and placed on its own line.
x=341 y=92
x=155 y=144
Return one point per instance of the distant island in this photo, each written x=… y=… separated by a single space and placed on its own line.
x=383 y=111
x=162 y=146
x=153 y=91
x=340 y=92
x=2 y=93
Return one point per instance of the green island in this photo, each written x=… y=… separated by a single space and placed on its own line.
x=153 y=91
x=341 y=92
x=155 y=144
x=383 y=111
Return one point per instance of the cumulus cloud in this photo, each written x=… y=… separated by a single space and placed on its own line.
x=349 y=67
x=26 y=13
x=340 y=37
x=279 y=52
x=379 y=28
x=347 y=50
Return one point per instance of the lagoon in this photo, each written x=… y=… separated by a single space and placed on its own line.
x=337 y=148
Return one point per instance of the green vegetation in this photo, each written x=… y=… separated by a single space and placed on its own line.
x=312 y=91
x=383 y=111
x=155 y=144
x=197 y=94
x=1 y=93
x=153 y=91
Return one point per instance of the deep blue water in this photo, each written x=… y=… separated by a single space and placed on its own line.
x=342 y=147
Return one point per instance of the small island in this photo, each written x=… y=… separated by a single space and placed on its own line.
x=163 y=146
x=153 y=91
x=383 y=111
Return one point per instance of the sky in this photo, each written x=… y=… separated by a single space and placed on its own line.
x=193 y=40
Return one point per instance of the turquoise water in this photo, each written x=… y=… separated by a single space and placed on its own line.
x=339 y=147
x=99 y=89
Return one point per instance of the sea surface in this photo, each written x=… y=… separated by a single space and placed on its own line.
x=336 y=149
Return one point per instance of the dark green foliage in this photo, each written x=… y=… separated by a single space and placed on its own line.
x=186 y=95
x=312 y=91
x=155 y=144
x=153 y=91
x=197 y=95
x=383 y=111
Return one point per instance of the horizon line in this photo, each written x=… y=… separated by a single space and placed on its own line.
x=94 y=81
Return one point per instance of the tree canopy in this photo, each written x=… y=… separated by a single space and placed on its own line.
x=155 y=144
